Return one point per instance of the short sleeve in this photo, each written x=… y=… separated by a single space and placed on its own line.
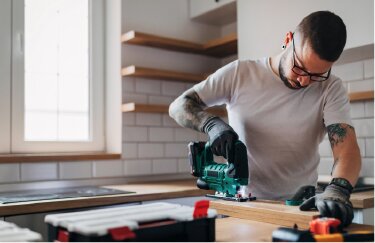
x=217 y=89
x=337 y=107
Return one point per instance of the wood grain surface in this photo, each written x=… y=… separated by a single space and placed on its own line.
x=242 y=230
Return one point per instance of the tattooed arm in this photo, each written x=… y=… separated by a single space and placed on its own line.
x=188 y=111
x=345 y=152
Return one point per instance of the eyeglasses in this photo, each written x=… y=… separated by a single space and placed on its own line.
x=302 y=72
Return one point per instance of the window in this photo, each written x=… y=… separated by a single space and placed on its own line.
x=57 y=76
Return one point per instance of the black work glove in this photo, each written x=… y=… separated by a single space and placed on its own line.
x=333 y=202
x=222 y=137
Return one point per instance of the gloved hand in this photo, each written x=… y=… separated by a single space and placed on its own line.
x=222 y=137
x=333 y=202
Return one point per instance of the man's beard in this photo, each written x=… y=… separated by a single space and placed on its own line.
x=285 y=79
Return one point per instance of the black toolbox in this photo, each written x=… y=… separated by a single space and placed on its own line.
x=149 y=222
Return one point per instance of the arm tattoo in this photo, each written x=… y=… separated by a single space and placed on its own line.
x=188 y=110
x=337 y=133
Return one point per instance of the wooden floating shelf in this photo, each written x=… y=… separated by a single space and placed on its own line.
x=134 y=107
x=142 y=72
x=221 y=47
x=39 y=157
x=360 y=96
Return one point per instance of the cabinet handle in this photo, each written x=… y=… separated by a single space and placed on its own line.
x=217 y=1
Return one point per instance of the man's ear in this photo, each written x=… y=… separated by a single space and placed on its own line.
x=288 y=39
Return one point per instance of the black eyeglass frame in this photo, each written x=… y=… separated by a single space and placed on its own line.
x=302 y=72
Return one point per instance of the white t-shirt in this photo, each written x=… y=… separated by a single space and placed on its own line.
x=281 y=127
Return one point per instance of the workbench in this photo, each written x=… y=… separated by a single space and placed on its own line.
x=142 y=192
x=228 y=229
x=235 y=229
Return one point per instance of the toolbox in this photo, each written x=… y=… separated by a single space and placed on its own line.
x=149 y=222
x=10 y=232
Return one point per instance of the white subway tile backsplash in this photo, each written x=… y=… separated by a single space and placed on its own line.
x=367 y=169
x=75 y=170
x=173 y=88
x=349 y=72
x=108 y=168
x=137 y=167
x=369 y=68
x=164 y=166
x=128 y=118
x=325 y=149
x=129 y=150
x=38 y=171
x=369 y=147
x=369 y=108
x=160 y=100
x=359 y=86
x=148 y=119
x=364 y=127
x=185 y=135
x=128 y=85
x=159 y=134
x=357 y=110
x=147 y=86
x=137 y=98
x=183 y=165
x=150 y=150
x=362 y=146
x=134 y=134
x=169 y=122
x=176 y=150
x=9 y=173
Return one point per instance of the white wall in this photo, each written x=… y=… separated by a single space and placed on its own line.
x=262 y=25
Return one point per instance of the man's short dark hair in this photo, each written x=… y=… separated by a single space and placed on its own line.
x=326 y=32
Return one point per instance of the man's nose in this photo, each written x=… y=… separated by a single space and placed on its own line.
x=303 y=80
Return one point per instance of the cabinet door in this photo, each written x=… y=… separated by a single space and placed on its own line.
x=216 y=12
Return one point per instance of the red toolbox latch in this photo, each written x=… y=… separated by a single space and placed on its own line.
x=121 y=233
x=63 y=236
x=201 y=208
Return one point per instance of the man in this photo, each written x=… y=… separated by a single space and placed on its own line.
x=281 y=107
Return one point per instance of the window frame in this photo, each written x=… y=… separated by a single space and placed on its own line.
x=97 y=134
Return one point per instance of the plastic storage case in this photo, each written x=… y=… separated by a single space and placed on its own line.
x=10 y=232
x=149 y=222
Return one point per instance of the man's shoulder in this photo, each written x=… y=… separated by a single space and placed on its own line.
x=249 y=64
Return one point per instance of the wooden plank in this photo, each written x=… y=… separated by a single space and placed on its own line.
x=363 y=199
x=151 y=73
x=143 y=39
x=135 y=107
x=220 y=47
x=359 y=96
x=144 y=192
x=264 y=211
x=38 y=157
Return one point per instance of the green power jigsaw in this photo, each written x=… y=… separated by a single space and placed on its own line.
x=229 y=180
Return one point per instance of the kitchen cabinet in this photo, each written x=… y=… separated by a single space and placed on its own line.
x=215 y=12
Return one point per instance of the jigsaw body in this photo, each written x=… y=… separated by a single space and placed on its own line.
x=229 y=180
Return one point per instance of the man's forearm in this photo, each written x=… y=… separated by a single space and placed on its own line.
x=346 y=152
x=348 y=167
x=188 y=111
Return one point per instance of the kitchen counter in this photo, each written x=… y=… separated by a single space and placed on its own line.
x=143 y=192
